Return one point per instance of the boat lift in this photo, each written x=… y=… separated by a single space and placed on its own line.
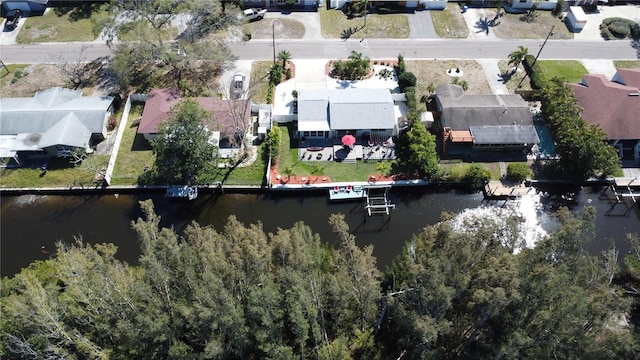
x=621 y=190
x=377 y=201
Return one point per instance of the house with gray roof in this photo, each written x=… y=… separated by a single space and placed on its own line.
x=360 y=112
x=56 y=121
x=484 y=122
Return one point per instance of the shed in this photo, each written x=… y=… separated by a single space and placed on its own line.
x=576 y=18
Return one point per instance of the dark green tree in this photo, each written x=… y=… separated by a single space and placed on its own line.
x=582 y=147
x=183 y=146
x=416 y=148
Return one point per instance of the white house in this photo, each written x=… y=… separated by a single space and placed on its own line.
x=334 y=113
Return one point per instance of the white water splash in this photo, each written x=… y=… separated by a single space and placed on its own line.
x=28 y=199
x=533 y=222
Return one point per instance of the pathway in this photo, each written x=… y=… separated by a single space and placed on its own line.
x=492 y=73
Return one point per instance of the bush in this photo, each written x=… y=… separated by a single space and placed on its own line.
x=534 y=71
x=410 y=95
x=276 y=74
x=477 y=176
x=406 y=79
x=270 y=93
x=401 y=67
x=518 y=172
x=273 y=143
x=619 y=30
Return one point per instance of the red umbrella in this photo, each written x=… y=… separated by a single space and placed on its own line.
x=348 y=140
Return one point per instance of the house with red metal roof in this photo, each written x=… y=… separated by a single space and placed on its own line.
x=614 y=106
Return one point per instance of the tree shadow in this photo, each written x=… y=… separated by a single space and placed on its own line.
x=505 y=76
x=347 y=33
x=635 y=44
x=483 y=24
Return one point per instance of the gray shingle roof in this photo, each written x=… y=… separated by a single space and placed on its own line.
x=69 y=131
x=460 y=111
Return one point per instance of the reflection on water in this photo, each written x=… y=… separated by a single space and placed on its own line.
x=30 y=222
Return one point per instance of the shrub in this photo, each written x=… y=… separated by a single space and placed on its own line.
x=112 y=123
x=606 y=34
x=401 y=67
x=273 y=143
x=406 y=79
x=287 y=74
x=270 y=93
x=410 y=95
x=619 y=30
x=276 y=74
x=518 y=172
x=477 y=176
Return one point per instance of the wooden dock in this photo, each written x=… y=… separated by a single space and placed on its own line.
x=497 y=190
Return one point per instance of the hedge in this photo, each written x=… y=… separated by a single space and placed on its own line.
x=620 y=28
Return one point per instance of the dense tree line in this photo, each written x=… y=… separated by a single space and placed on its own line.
x=457 y=291
x=582 y=147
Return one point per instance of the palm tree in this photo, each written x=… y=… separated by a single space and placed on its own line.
x=516 y=57
x=284 y=56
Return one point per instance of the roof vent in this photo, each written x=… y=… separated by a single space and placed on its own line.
x=634 y=94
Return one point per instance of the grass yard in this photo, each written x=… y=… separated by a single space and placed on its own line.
x=134 y=154
x=338 y=172
x=435 y=72
x=260 y=80
x=449 y=23
x=622 y=64
x=511 y=27
x=334 y=24
x=512 y=80
x=457 y=170
x=570 y=70
x=62 y=24
x=281 y=28
x=60 y=173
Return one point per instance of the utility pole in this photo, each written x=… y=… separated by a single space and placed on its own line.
x=273 y=38
x=538 y=54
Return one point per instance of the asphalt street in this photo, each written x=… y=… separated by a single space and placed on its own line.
x=373 y=48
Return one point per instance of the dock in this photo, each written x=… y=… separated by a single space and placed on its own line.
x=346 y=193
x=182 y=192
x=624 y=191
x=498 y=190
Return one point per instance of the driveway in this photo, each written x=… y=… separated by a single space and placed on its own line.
x=310 y=20
x=421 y=25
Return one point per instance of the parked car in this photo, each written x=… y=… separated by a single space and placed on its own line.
x=254 y=14
x=13 y=17
x=237 y=86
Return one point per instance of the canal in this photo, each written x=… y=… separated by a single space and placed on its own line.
x=30 y=225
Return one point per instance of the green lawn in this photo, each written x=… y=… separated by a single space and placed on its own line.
x=570 y=70
x=457 y=170
x=449 y=23
x=60 y=173
x=62 y=24
x=338 y=172
x=334 y=24
x=134 y=154
x=259 y=80
x=622 y=64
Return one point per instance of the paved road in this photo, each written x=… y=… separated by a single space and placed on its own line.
x=373 y=48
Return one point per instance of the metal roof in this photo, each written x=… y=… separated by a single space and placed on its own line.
x=345 y=109
x=46 y=108
x=69 y=131
x=504 y=134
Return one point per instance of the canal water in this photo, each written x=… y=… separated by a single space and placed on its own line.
x=31 y=225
